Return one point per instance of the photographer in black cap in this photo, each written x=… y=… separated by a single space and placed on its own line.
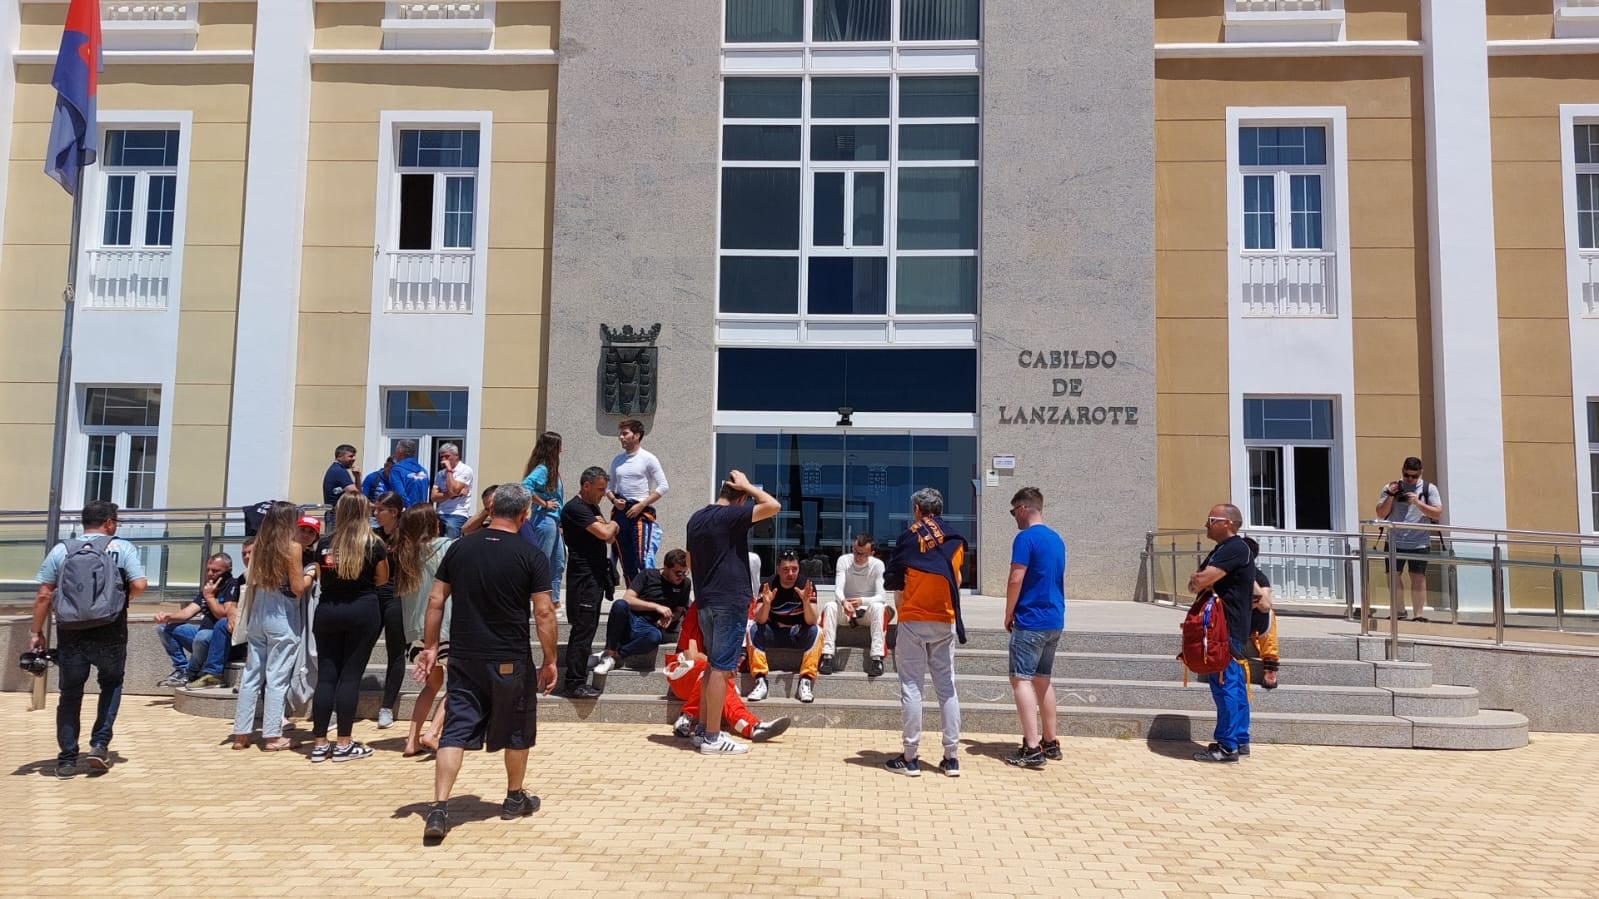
x=1410 y=500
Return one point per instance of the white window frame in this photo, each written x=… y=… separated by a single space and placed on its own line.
x=427 y=441
x=1285 y=455
x=1334 y=207
x=139 y=238
x=1283 y=20
x=441 y=179
x=921 y=329
x=387 y=209
x=124 y=442
x=91 y=228
x=1590 y=490
x=1282 y=195
x=1582 y=287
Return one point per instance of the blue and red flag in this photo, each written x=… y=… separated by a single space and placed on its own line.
x=77 y=81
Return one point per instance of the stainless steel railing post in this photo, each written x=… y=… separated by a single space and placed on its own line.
x=1393 y=600
x=1349 y=583
x=1560 y=594
x=1365 y=585
x=1149 y=566
x=1498 y=592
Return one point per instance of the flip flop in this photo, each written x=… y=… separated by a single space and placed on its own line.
x=279 y=745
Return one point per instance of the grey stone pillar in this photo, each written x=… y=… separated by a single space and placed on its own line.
x=635 y=229
x=1068 y=270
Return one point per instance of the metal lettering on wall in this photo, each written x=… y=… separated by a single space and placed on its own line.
x=1066 y=386
x=629 y=370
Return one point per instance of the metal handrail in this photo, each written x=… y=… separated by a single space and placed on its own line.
x=1478 y=548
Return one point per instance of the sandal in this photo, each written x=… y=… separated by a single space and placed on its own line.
x=279 y=744
x=241 y=742
x=1420 y=620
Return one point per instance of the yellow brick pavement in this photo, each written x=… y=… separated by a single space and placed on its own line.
x=812 y=814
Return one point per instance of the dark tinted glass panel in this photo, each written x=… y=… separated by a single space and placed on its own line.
x=124 y=407
x=827 y=210
x=936 y=285
x=416 y=212
x=918 y=142
x=847 y=286
x=849 y=98
x=1288 y=419
x=1287 y=145
x=939 y=20
x=144 y=148
x=821 y=380
x=438 y=149
x=760 y=284
x=1586 y=139
x=1593 y=426
x=868 y=225
x=938 y=209
x=765 y=21
x=760 y=209
x=850 y=20
x=761 y=98
x=947 y=97
x=844 y=143
x=761 y=143
x=1312 y=488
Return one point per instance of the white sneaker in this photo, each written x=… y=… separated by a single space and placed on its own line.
x=684 y=728
x=766 y=730
x=385 y=719
x=594 y=660
x=757 y=692
x=606 y=664
x=723 y=746
x=560 y=611
x=805 y=693
x=698 y=736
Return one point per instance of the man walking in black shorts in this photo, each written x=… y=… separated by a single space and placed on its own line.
x=491 y=574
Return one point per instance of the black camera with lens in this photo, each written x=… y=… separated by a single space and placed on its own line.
x=37 y=662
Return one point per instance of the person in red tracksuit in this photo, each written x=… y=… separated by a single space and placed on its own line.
x=685 y=671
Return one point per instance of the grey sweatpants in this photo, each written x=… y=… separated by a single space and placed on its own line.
x=926 y=647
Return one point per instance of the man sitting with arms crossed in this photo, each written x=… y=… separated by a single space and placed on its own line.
x=187 y=641
x=653 y=603
x=785 y=617
x=858 y=593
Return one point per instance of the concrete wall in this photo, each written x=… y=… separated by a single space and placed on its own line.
x=635 y=228
x=1068 y=264
x=1537 y=683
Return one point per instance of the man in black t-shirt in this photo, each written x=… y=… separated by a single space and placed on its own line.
x=653 y=605
x=1229 y=572
x=491 y=575
x=588 y=539
x=785 y=617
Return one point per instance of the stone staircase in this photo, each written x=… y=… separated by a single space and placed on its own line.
x=1121 y=685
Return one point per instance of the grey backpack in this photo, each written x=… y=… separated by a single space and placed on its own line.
x=89 y=591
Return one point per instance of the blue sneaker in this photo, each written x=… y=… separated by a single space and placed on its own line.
x=905 y=766
x=950 y=767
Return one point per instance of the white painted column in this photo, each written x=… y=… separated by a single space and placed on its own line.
x=10 y=35
x=1470 y=467
x=259 y=439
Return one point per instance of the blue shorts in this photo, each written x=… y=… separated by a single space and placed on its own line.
x=1032 y=653
x=722 y=632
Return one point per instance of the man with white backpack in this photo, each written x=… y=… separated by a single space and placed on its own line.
x=88 y=581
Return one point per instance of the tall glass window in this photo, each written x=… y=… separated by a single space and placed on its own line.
x=840 y=21
x=1586 y=141
x=140 y=190
x=1291 y=446
x=849 y=196
x=121 y=426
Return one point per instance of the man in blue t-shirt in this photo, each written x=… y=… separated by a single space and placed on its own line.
x=1035 y=614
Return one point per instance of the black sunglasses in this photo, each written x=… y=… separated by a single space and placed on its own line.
x=788 y=555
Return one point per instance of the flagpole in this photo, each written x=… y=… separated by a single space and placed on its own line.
x=58 y=448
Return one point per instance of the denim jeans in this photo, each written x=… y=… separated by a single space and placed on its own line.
x=178 y=639
x=109 y=660
x=630 y=633
x=548 y=532
x=220 y=644
x=453 y=525
x=1232 y=702
x=275 y=631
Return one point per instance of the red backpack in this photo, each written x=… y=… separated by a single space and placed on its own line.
x=1205 y=646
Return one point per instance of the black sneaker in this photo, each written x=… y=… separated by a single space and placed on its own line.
x=1051 y=750
x=1026 y=757
x=519 y=806
x=826 y=666
x=874 y=667
x=1214 y=753
x=950 y=767
x=436 y=826
x=99 y=759
x=1243 y=748
x=67 y=769
x=582 y=691
x=905 y=766
x=351 y=752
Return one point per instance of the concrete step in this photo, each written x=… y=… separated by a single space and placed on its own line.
x=1488 y=729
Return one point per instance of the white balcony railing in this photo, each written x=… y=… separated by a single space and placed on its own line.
x=150 y=26
x=1577 y=18
x=129 y=279
x=1294 y=285
x=111 y=11
x=430 y=281
x=1590 y=282
x=438 y=25
x=436 y=10
x=1280 y=5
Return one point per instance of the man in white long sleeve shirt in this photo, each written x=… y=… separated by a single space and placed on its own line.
x=637 y=483
x=858 y=593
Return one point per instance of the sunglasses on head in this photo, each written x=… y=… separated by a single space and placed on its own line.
x=788 y=555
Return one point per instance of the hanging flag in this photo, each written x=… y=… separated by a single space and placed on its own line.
x=76 y=80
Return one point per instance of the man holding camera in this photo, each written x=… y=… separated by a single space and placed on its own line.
x=1410 y=500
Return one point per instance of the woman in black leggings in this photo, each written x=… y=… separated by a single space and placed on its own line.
x=354 y=566
x=387 y=512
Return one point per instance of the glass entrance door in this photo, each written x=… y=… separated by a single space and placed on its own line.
x=835 y=485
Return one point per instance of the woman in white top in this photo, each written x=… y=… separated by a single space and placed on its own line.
x=414 y=554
